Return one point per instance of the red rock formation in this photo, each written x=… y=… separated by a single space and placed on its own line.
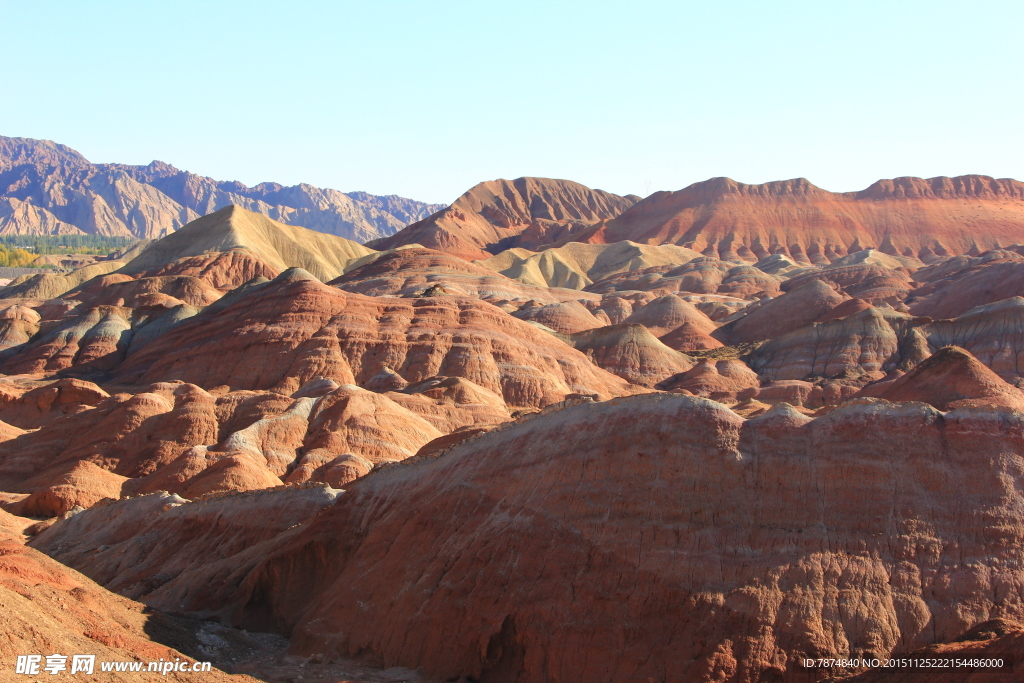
x=131 y=435
x=451 y=403
x=873 y=342
x=774 y=317
x=533 y=531
x=155 y=535
x=677 y=323
x=164 y=438
x=805 y=394
x=237 y=410
x=412 y=272
x=223 y=270
x=905 y=216
x=80 y=485
x=39 y=406
x=274 y=440
x=18 y=324
x=722 y=380
x=953 y=378
x=8 y=432
x=952 y=288
x=294 y=329
x=632 y=352
x=94 y=340
x=122 y=290
x=844 y=310
x=993 y=333
x=995 y=639
x=500 y=214
x=620 y=305
x=795 y=392
x=567 y=317
x=354 y=421
x=660 y=538
x=230 y=473
x=881 y=340
x=702 y=275
x=49 y=608
x=872 y=283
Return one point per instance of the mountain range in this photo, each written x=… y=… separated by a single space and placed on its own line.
x=547 y=434
x=48 y=189
x=719 y=217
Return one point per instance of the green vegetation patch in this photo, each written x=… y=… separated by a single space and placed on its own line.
x=21 y=251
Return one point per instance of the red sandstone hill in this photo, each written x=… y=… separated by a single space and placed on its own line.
x=657 y=537
x=990 y=640
x=953 y=378
x=48 y=608
x=661 y=537
x=295 y=328
x=905 y=216
x=913 y=217
x=500 y=214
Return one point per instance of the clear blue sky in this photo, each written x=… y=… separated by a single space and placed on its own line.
x=425 y=99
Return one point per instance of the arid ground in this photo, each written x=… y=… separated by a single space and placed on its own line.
x=546 y=434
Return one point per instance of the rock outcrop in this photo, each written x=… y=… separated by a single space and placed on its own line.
x=992 y=640
x=576 y=265
x=874 y=284
x=702 y=275
x=49 y=608
x=412 y=271
x=798 y=435
x=772 y=318
x=676 y=322
x=41 y=405
x=872 y=341
x=295 y=329
x=722 y=380
x=953 y=378
x=142 y=538
x=566 y=317
x=905 y=217
x=278 y=245
x=763 y=562
x=631 y=352
x=48 y=189
x=502 y=214
x=954 y=287
x=80 y=485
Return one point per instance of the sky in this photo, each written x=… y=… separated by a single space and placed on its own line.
x=426 y=99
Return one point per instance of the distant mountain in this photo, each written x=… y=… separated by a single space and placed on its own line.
x=48 y=188
x=504 y=214
x=921 y=218
x=916 y=217
x=275 y=244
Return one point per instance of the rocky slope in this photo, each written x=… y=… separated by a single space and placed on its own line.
x=278 y=245
x=576 y=265
x=953 y=378
x=294 y=329
x=503 y=214
x=49 y=608
x=905 y=216
x=594 y=462
x=414 y=271
x=552 y=542
x=47 y=188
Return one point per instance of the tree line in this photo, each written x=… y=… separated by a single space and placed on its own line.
x=20 y=251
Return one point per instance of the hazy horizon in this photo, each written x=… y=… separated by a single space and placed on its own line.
x=425 y=101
